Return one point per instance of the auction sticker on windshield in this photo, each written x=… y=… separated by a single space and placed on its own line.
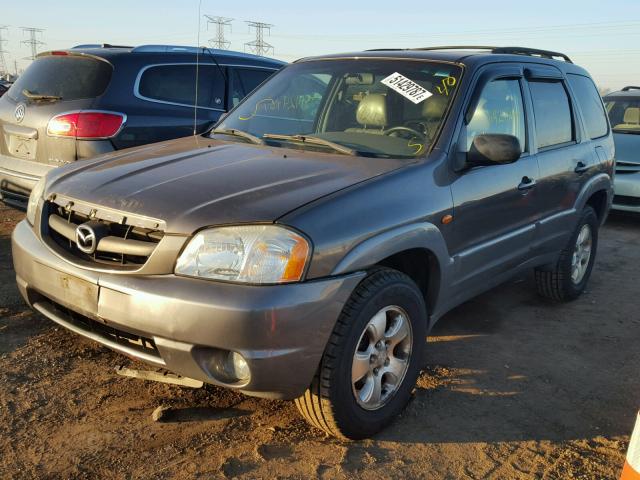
x=406 y=87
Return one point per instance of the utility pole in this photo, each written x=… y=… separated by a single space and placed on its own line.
x=33 y=41
x=259 y=46
x=3 y=63
x=219 y=41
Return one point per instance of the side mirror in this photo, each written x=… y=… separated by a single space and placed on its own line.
x=493 y=149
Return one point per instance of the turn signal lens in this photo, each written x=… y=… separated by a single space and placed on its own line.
x=86 y=125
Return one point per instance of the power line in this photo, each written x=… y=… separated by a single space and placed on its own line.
x=259 y=46
x=3 y=61
x=33 y=41
x=219 y=41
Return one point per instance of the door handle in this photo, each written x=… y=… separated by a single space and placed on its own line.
x=526 y=184
x=581 y=167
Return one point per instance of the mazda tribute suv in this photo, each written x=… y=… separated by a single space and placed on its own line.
x=304 y=247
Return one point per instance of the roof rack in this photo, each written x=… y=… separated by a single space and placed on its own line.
x=630 y=87
x=98 y=45
x=534 y=52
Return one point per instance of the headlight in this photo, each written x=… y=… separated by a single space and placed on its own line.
x=34 y=199
x=247 y=254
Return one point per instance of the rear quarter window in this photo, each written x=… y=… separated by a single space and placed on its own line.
x=70 y=77
x=176 y=84
x=590 y=104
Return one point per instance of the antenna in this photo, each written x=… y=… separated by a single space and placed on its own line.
x=33 y=41
x=259 y=46
x=3 y=62
x=220 y=22
x=195 y=103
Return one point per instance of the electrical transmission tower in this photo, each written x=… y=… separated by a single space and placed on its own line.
x=259 y=46
x=3 y=63
x=220 y=22
x=33 y=41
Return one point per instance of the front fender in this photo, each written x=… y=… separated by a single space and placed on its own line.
x=421 y=235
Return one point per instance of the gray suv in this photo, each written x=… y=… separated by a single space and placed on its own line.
x=305 y=246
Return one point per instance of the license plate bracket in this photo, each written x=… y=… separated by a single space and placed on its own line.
x=22 y=147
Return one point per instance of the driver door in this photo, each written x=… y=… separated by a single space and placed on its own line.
x=494 y=206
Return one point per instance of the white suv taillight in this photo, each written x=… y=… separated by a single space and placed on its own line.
x=86 y=124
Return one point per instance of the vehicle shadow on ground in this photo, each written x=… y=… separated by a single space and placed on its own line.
x=509 y=366
x=199 y=414
x=17 y=322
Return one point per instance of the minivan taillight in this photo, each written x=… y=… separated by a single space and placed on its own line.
x=86 y=124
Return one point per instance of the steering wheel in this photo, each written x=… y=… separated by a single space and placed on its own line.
x=415 y=133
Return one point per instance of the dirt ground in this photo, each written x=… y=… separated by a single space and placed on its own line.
x=514 y=388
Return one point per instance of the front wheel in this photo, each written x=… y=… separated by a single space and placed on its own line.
x=567 y=279
x=372 y=360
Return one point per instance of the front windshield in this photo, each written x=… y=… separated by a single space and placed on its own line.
x=624 y=114
x=373 y=107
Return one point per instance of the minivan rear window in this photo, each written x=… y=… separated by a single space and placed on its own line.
x=70 y=77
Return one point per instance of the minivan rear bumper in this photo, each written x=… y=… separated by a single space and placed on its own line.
x=17 y=179
x=187 y=325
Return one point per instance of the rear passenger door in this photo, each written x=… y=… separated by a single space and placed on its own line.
x=494 y=206
x=564 y=155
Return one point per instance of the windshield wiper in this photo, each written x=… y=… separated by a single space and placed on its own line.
x=310 y=139
x=37 y=96
x=234 y=132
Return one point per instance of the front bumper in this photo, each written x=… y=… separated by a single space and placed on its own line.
x=627 y=192
x=280 y=330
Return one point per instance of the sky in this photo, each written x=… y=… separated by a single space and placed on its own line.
x=603 y=37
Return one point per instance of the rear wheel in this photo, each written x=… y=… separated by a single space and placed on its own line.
x=568 y=278
x=372 y=360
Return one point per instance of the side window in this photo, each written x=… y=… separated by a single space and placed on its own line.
x=590 y=105
x=245 y=81
x=500 y=110
x=177 y=84
x=552 y=111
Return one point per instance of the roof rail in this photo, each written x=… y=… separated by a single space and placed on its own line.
x=457 y=47
x=99 y=45
x=445 y=47
x=504 y=50
x=534 y=52
x=630 y=87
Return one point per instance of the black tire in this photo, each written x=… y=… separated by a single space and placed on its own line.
x=555 y=281
x=329 y=403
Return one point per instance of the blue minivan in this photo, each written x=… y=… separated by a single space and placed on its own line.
x=91 y=99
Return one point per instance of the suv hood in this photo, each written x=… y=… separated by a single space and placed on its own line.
x=195 y=182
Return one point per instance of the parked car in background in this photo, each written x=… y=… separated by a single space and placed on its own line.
x=4 y=86
x=623 y=108
x=74 y=104
x=304 y=247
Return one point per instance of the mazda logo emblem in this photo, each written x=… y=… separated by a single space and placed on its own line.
x=86 y=239
x=20 y=111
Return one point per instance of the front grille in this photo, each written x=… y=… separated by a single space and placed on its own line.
x=627 y=167
x=626 y=201
x=119 y=243
x=131 y=341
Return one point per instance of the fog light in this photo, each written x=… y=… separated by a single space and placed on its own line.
x=237 y=366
